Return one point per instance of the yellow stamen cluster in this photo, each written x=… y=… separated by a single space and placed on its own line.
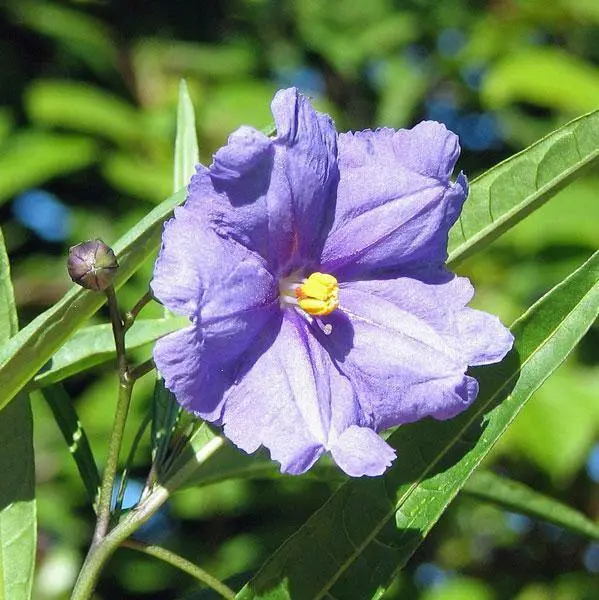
x=318 y=295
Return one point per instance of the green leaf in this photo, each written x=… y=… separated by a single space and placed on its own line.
x=545 y=76
x=224 y=60
x=77 y=442
x=230 y=464
x=8 y=312
x=351 y=547
x=186 y=142
x=17 y=485
x=28 y=351
x=187 y=458
x=80 y=34
x=165 y=415
x=94 y=345
x=142 y=177
x=85 y=108
x=52 y=154
x=520 y=498
x=505 y=194
x=565 y=410
x=165 y=409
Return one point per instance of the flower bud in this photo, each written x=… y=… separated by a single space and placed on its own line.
x=92 y=265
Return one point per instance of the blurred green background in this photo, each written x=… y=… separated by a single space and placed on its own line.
x=88 y=92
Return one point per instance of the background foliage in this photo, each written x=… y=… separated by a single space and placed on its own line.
x=88 y=103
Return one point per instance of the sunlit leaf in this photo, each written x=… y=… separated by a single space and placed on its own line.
x=186 y=142
x=18 y=530
x=545 y=76
x=564 y=411
x=52 y=154
x=83 y=107
x=138 y=176
x=355 y=544
x=165 y=410
x=94 y=345
x=508 y=192
x=28 y=351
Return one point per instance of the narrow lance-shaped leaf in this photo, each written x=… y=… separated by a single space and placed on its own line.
x=355 y=544
x=75 y=437
x=28 y=351
x=512 y=495
x=517 y=497
x=165 y=410
x=18 y=531
x=94 y=345
x=505 y=194
x=186 y=141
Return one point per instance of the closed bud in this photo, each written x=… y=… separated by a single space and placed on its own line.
x=92 y=265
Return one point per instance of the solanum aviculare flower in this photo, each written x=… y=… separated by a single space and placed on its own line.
x=311 y=267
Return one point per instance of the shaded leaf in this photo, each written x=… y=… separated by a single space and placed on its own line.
x=351 y=547
x=189 y=456
x=75 y=437
x=80 y=34
x=517 y=497
x=165 y=414
x=508 y=192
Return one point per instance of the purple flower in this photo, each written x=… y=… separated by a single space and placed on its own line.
x=311 y=267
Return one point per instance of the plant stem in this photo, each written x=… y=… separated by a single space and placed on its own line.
x=117 y=331
x=131 y=315
x=184 y=565
x=118 y=505
x=142 y=369
x=99 y=553
x=118 y=428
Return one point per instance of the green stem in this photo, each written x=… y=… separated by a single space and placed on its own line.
x=141 y=369
x=118 y=332
x=118 y=428
x=183 y=565
x=128 y=464
x=131 y=315
x=100 y=553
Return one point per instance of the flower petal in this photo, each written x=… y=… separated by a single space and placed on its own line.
x=308 y=175
x=274 y=196
x=200 y=271
x=292 y=400
x=395 y=202
x=200 y=363
x=439 y=298
x=392 y=356
x=360 y=451
x=483 y=337
x=229 y=295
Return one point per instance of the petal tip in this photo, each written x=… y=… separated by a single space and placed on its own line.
x=360 y=451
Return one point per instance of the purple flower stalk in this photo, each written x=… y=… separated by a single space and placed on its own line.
x=311 y=266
